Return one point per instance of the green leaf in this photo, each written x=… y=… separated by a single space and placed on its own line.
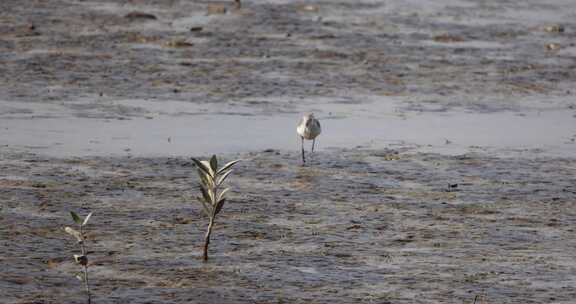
x=202 y=166
x=205 y=206
x=80 y=276
x=81 y=259
x=206 y=179
x=207 y=165
x=219 y=206
x=75 y=233
x=227 y=166
x=214 y=163
x=206 y=194
x=75 y=217
x=87 y=218
x=222 y=178
x=222 y=193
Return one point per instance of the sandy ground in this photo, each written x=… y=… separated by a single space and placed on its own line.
x=101 y=112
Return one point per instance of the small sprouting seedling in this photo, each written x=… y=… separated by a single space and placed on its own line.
x=213 y=196
x=81 y=259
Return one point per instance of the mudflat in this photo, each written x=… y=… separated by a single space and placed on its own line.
x=444 y=174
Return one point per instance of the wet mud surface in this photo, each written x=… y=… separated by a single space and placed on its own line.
x=445 y=171
x=358 y=226
x=428 y=49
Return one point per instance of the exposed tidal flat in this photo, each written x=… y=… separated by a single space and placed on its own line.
x=445 y=171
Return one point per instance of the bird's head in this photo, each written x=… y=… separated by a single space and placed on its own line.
x=308 y=116
x=308 y=119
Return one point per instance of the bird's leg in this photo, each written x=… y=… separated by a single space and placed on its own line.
x=313 y=142
x=303 y=157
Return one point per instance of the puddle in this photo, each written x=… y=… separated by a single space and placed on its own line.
x=182 y=129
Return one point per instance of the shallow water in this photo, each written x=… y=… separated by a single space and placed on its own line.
x=181 y=129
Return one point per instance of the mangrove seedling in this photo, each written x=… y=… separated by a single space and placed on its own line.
x=213 y=195
x=81 y=259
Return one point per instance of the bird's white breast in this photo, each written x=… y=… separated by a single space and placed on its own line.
x=309 y=131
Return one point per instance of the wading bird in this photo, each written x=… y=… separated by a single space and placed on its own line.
x=308 y=128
